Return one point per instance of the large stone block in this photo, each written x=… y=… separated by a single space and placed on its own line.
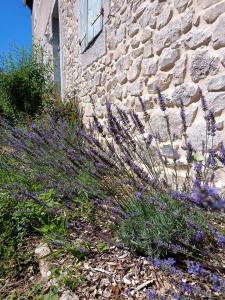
x=132 y=29
x=181 y=5
x=212 y=13
x=124 y=63
x=145 y=35
x=187 y=20
x=134 y=71
x=162 y=81
x=217 y=84
x=222 y=54
x=148 y=50
x=137 y=52
x=138 y=12
x=149 y=66
x=148 y=102
x=188 y=93
x=126 y=16
x=197 y=135
x=218 y=36
x=207 y=3
x=168 y=35
x=120 y=34
x=148 y=17
x=111 y=84
x=158 y=122
x=197 y=37
x=203 y=64
x=179 y=70
x=135 y=88
x=168 y=58
x=216 y=101
x=117 y=92
x=135 y=42
x=164 y=17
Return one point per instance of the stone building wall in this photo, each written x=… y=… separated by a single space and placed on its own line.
x=177 y=45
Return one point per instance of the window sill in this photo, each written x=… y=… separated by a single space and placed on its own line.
x=95 y=50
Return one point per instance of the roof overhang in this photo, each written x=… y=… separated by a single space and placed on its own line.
x=29 y=3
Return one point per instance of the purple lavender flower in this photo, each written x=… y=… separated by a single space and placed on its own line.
x=208 y=197
x=199 y=234
x=211 y=161
x=137 y=122
x=198 y=175
x=151 y=294
x=218 y=283
x=219 y=238
x=143 y=106
x=176 y=248
x=97 y=124
x=221 y=155
x=185 y=287
x=181 y=196
x=190 y=151
x=161 y=100
x=138 y=195
x=141 y=174
x=211 y=123
x=166 y=117
x=164 y=264
x=203 y=102
x=111 y=147
x=123 y=116
x=203 y=147
x=149 y=139
x=156 y=262
x=183 y=116
x=175 y=295
x=195 y=268
x=119 y=212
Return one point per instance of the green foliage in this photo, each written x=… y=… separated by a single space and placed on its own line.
x=37 y=292
x=67 y=277
x=25 y=83
x=20 y=220
x=102 y=247
x=149 y=226
x=68 y=110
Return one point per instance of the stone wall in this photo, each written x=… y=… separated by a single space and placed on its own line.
x=177 y=45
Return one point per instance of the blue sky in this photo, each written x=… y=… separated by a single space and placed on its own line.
x=15 y=25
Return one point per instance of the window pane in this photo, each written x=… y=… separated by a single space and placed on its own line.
x=95 y=18
x=83 y=24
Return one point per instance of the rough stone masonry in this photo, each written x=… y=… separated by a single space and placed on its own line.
x=177 y=45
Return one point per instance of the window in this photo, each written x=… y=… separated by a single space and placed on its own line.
x=56 y=46
x=91 y=22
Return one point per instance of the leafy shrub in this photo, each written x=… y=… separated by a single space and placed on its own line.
x=25 y=83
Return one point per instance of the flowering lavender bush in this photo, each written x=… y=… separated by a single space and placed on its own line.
x=122 y=169
x=158 y=226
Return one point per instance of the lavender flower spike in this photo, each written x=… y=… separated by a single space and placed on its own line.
x=204 y=104
x=143 y=106
x=183 y=116
x=161 y=100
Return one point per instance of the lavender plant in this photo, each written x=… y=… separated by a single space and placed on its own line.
x=123 y=170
